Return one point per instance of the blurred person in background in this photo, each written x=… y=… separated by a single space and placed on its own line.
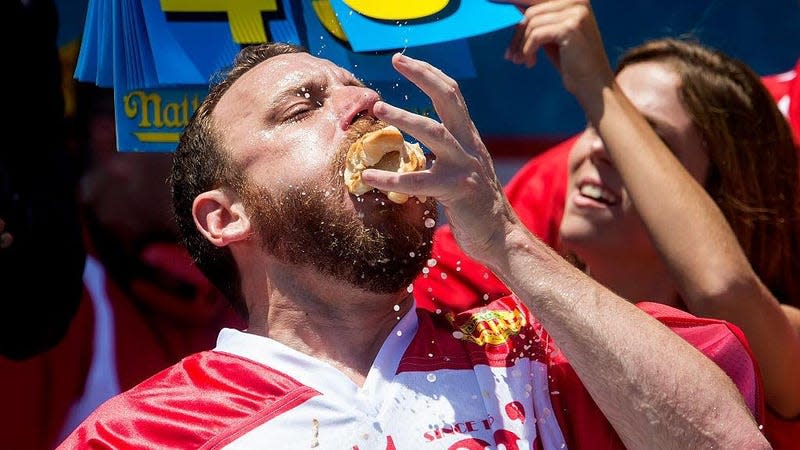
x=144 y=304
x=41 y=251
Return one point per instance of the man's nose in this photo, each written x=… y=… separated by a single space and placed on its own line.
x=351 y=102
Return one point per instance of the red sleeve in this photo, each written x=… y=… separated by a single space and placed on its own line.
x=785 y=89
x=537 y=194
x=794 y=104
x=720 y=341
x=206 y=400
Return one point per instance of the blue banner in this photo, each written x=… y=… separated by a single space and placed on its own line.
x=384 y=25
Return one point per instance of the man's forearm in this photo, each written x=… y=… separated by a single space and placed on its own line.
x=656 y=389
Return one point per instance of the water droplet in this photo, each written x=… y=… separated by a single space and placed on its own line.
x=486 y=296
x=399 y=333
x=438 y=311
x=485 y=275
x=430 y=355
x=425 y=270
x=431 y=377
x=430 y=223
x=412 y=254
x=432 y=262
x=458 y=334
x=396 y=307
x=410 y=288
x=307 y=95
x=444 y=276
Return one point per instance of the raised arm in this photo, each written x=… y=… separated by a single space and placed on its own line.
x=688 y=229
x=655 y=389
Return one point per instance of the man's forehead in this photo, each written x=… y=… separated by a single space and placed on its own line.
x=293 y=69
x=269 y=79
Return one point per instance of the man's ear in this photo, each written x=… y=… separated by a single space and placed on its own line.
x=220 y=217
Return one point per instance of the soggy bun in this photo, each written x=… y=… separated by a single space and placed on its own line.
x=383 y=149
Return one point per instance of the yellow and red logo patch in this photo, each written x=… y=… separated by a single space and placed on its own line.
x=489 y=326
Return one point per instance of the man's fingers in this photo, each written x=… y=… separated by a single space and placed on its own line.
x=443 y=92
x=431 y=133
x=412 y=183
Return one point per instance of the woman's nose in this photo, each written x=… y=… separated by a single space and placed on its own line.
x=597 y=148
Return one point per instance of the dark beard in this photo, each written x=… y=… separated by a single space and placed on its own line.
x=306 y=226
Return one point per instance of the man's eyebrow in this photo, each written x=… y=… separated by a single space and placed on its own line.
x=288 y=92
x=284 y=94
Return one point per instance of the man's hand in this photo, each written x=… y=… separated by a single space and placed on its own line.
x=462 y=177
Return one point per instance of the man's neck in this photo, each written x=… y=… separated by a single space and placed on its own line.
x=324 y=318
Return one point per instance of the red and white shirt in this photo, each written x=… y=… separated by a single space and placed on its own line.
x=785 y=89
x=476 y=379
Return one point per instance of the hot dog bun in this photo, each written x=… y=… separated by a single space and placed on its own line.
x=383 y=149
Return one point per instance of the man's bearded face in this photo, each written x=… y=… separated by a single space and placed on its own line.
x=379 y=247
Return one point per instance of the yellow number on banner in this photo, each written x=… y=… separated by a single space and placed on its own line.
x=244 y=16
x=397 y=9
x=327 y=17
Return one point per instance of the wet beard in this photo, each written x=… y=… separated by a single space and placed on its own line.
x=382 y=254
